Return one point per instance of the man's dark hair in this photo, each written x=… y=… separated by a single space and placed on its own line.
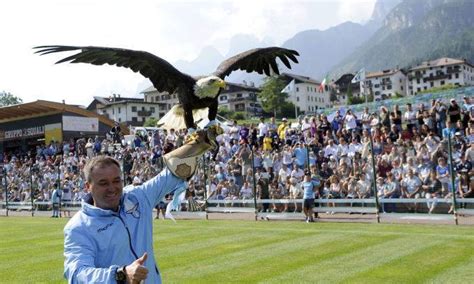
x=98 y=162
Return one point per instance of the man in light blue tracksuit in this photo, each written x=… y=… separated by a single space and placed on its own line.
x=110 y=240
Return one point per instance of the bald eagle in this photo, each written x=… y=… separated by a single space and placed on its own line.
x=192 y=92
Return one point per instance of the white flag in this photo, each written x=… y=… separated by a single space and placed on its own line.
x=360 y=76
x=290 y=87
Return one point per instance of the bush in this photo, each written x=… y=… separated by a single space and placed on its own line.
x=239 y=115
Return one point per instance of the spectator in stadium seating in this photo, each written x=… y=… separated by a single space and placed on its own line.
x=432 y=187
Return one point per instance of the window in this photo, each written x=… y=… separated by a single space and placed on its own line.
x=441 y=83
x=120 y=120
x=389 y=87
x=401 y=87
x=418 y=81
x=134 y=119
x=297 y=99
x=134 y=109
x=119 y=109
x=418 y=90
x=113 y=111
x=457 y=76
x=223 y=98
x=239 y=95
x=297 y=89
x=152 y=109
x=431 y=84
x=425 y=88
x=240 y=107
x=143 y=108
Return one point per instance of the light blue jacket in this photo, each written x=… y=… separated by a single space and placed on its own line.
x=98 y=241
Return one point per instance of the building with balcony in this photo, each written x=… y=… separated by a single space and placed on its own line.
x=129 y=111
x=164 y=100
x=439 y=72
x=306 y=94
x=242 y=98
x=344 y=87
x=384 y=84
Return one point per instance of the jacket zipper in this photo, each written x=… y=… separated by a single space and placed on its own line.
x=130 y=242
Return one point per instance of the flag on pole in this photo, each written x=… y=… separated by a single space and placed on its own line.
x=290 y=87
x=323 y=83
x=360 y=76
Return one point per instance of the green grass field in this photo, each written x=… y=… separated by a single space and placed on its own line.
x=265 y=252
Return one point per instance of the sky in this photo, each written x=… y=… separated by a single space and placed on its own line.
x=171 y=29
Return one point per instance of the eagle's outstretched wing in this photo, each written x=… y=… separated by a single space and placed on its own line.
x=161 y=73
x=257 y=60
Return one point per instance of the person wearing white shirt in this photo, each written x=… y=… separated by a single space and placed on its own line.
x=410 y=117
x=350 y=120
x=246 y=191
x=354 y=147
x=262 y=129
x=331 y=149
x=283 y=174
x=234 y=131
x=366 y=119
x=297 y=173
x=343 y=148
x=305 y=125
x=287 y=157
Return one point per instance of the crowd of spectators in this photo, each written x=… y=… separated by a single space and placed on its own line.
x=410 y=146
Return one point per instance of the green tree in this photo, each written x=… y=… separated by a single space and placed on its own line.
x=271 y=96
x=332 y=95
x=150 y=122
x=224 y=111
x=287 y=109
x=7 y=99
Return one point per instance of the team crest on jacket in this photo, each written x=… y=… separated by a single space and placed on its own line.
x=130 y=204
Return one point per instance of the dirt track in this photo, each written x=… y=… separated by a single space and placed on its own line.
x=323 y=217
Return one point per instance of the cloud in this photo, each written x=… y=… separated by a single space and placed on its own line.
x=355 y=10
x=171 y=29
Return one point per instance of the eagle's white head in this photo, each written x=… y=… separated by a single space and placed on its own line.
x=208 y=87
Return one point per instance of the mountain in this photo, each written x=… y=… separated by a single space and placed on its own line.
x=320 y=50
x=416 y=31
x=205 y=63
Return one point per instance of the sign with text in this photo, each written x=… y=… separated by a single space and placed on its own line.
x=23 y=132
x=77 y=123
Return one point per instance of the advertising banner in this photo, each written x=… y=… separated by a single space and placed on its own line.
x=77 y=123
x=53 y=132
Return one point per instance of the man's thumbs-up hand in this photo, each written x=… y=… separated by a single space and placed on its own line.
x=137 y=271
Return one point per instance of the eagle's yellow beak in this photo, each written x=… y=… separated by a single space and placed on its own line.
x=221 y=84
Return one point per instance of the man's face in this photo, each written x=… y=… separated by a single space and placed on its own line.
x=106 y=187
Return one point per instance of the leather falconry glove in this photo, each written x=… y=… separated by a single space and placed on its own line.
x=183 y=161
